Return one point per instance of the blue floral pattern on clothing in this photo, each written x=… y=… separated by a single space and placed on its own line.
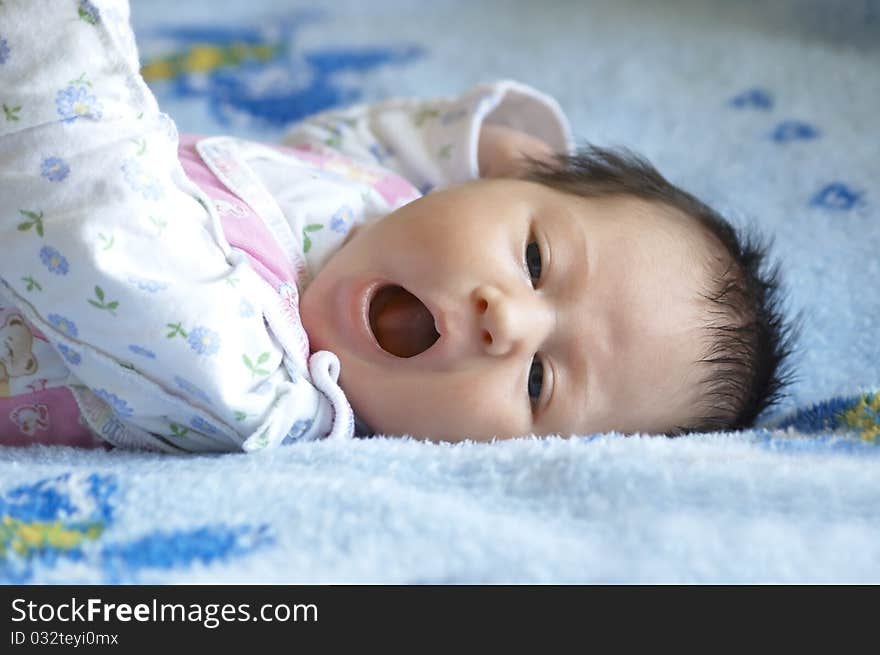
x=64 y=325
x=120 y=407
x=143 y=352
x=297 y=431
x=150 y=286
x=192 y=389
x=4 y=51
x=141 y=181
x=200 y=424
x=54 y=260
x=204 y=341
x=54 y=169
x=75 y=101
x=245 y=308
x=71 y=356
x=342 y=219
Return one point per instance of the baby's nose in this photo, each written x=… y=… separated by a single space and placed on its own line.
x=502 y=321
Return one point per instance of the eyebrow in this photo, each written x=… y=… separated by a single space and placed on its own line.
x=586 y=372
x=583 y=260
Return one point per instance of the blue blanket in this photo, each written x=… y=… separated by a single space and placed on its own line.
x=766 y=110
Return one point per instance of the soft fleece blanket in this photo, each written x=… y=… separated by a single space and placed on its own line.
x=767 y=110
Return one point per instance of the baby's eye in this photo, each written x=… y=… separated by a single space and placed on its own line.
x=533 y=261
x=536 y=379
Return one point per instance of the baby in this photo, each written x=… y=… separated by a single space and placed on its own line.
x=448 y=269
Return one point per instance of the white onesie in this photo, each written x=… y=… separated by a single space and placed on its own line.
x=158 y=276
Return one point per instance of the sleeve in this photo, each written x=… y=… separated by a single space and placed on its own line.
x=434 y=142
x=119 y=260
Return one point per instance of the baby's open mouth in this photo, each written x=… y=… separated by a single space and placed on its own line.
x=401 y=323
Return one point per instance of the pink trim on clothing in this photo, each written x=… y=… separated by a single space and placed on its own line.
x=241 y=225
x=394 y=189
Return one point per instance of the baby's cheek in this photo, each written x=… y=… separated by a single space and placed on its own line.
x=467 y=411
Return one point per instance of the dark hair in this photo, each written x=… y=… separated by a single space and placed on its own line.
x=750 y=341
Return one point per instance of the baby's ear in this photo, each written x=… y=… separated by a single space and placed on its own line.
x=506 y=152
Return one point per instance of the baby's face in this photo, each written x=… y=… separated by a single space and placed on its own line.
x=556 y=314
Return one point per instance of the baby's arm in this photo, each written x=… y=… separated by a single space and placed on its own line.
x=113 y=254
x=438 y=142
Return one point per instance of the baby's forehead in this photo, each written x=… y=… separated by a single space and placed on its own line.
x=646 y=219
